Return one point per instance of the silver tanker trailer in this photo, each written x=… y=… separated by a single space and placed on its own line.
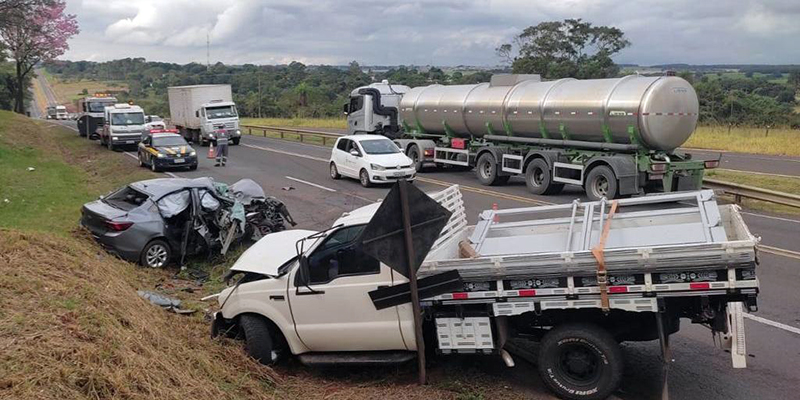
x=613 y=137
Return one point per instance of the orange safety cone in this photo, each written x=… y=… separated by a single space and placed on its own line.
x=496 y=218
x=212 y=153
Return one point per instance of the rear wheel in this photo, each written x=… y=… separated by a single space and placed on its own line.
x=416 y=156
x=580 y=361
x=539 y=179
x=334 y=171
x=363 y=177
x=156 y=254
x=258 y=340
x=153 y=166
x=486 y=168
x=601 y=182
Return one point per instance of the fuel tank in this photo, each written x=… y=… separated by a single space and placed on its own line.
x=658 y=113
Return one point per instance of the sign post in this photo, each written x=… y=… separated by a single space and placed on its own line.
x=412 y=281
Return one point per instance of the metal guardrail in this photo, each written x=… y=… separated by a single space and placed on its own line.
x=302 y=134
x=750 y=192
x=737 y=191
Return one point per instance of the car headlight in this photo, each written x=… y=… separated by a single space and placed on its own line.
x=114 y=138
x=211 y=135
x=160 y=155
x=238 y=132
x=377 y=167
x=192 y=154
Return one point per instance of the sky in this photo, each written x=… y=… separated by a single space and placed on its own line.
x=426 y=32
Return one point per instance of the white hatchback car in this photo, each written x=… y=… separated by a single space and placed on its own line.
x=370 y=159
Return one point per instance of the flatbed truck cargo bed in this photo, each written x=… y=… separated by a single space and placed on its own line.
x=578 y=278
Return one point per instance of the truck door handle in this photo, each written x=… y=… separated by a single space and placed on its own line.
x=276 y=298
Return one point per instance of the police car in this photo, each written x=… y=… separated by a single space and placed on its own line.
x=165 y=148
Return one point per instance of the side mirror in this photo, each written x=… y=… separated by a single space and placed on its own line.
x=346 y=108
x=354 y=153
x=197 y=114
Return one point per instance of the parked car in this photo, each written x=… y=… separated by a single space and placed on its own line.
x=166 y=149
x=152 y=122
x=370 y=159
x=160 y=220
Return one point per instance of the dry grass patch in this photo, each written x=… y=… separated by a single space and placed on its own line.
x=746 y=140
x=323 y=123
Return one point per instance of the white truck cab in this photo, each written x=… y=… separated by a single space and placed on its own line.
x=525 y=274
x=200 y=111
x=124 y=125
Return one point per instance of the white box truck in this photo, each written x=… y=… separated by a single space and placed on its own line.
x=199 y=112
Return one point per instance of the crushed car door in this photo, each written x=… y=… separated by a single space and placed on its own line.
x=334 y=312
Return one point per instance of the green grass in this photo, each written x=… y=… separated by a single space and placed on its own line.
x=777 y=183
x=68 y=171
x=784 y=142
x=324 y=123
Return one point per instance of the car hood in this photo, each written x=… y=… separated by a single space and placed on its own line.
x=175 y=150
x=270 y=252
x=390 y=160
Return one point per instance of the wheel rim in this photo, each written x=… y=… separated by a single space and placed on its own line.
x=364 y=178
x=579 y=364
x=600 y=186
x=414 y=158
x=486 y=170
x=333 y=171
x=153 y=165
x=156 y=256
x=537 y=177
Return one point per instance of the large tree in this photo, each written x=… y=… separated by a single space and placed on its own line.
x=33 y=32
x=561 y=49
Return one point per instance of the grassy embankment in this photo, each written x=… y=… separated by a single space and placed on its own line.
x=68 y=91
x=783 y=142
x=778 y=183
x=73 y=327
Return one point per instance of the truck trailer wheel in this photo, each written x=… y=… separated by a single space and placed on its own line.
x=416 y=156
x=539 y=179
x=601 y=182
x=258 y=341
x=486 y=168
x=580 y=361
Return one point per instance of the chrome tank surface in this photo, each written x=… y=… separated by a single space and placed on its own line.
x=660 y=112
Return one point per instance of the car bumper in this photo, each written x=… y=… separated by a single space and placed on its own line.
x=392 y=175
x=126 y=140
x=118 y=243
x=172 y=162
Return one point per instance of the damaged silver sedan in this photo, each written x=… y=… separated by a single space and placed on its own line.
x=160 y=220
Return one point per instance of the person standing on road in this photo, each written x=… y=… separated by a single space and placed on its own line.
x=222 y=148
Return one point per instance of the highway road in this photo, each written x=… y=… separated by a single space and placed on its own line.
x=754 y=163
x=297 y=174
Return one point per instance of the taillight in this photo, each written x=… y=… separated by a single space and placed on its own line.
x=711 y=164
x=658 y=167
x=118 y=226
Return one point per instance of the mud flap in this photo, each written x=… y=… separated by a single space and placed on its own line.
x=734 y=340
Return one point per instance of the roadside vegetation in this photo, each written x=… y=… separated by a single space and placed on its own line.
x=783 y=142
x=324 y=123
x=783 y=184
x=73 y=327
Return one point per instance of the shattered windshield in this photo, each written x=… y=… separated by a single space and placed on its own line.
x=125 y=199
x=133 y=118
x=220 y=112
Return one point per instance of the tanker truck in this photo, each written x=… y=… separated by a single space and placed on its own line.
x=613 y=137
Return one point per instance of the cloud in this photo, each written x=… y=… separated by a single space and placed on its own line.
x=444 y=32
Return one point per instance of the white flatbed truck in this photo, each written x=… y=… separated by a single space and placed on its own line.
x=528 y=272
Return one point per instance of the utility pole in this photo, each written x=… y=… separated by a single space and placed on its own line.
x=208 y=52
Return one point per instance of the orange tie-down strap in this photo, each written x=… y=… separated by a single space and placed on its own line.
x=597 y=251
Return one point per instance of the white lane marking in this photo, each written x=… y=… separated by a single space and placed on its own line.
x=758 y=173
x=171 y=174
x=769 y=322
x=131 y=155
x=311 y=184
x=779 y=251
x=770 y=217
x=288 y=153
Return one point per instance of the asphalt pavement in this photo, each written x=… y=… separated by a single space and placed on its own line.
x=298 y=175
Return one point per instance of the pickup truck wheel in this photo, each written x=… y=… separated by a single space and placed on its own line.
x=334 y=171
x=156 y=254
x=601 y=182
x=258 y=341
x=416 y=157
x=363 y=177
x=580 y=361
x=486 y=168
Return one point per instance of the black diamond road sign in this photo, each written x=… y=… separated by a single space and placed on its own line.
x=383 y=236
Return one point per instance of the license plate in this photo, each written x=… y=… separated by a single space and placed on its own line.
x=399 y=173
x=178 y=160
x=129 y=142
